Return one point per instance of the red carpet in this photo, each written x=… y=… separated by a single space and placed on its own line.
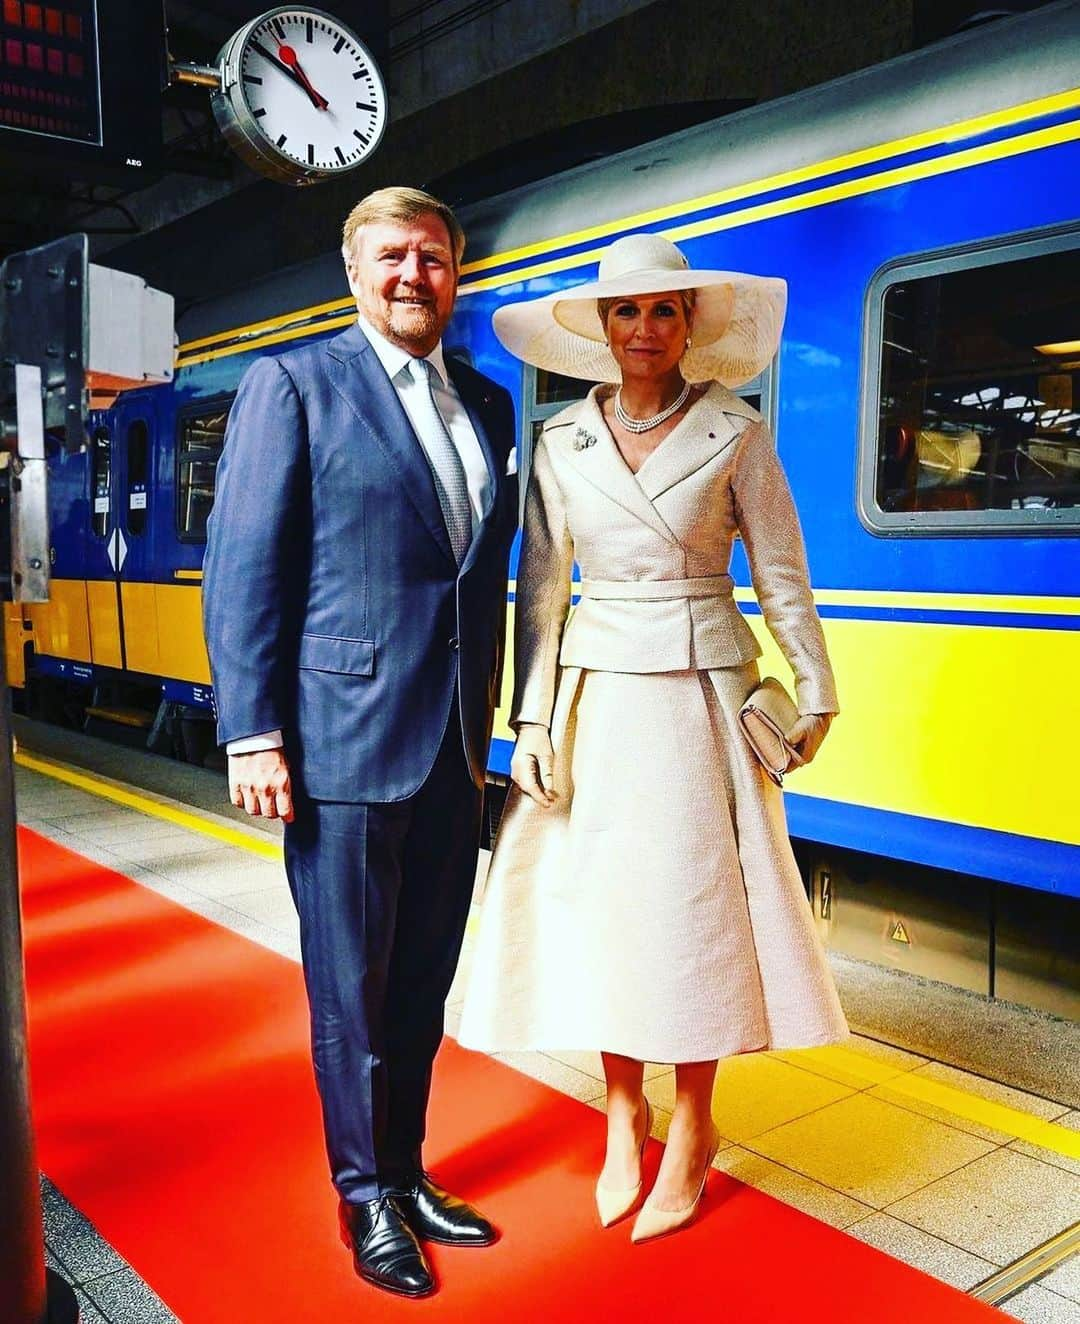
x=175 y=1106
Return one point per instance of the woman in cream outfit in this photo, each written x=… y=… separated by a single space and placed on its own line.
x=643 y=899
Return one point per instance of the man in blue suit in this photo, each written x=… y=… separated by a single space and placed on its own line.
x=354 y=597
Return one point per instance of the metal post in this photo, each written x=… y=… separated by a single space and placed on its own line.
x=27 y=1294
x=23 y=1297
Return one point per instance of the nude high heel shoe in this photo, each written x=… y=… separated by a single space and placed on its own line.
x=653 y=1222
x=613 y=1205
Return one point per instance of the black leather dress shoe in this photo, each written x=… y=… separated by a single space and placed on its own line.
x=436 y=1215
x=385 y=1250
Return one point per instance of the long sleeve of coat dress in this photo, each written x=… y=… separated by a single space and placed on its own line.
x=767 y=520
x=542 y=600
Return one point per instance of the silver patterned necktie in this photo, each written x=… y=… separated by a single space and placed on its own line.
x=451 y=484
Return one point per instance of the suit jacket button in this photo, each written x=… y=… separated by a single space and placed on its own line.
x=455 y=644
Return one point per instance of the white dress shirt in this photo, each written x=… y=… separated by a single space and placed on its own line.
x=395 y=362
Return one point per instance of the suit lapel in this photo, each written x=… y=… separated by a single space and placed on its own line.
x=708 y=428
x=361 y=381
x=590 y=449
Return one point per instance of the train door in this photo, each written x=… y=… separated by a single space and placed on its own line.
x=102 y=590
x=130 y=552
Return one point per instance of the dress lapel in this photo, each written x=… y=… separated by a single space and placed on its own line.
x=709 y=427
x=360 y=379
x=590 y=449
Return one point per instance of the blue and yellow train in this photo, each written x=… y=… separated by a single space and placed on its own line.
x=926 y=402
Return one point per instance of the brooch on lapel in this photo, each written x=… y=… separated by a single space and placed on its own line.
x=583 y=440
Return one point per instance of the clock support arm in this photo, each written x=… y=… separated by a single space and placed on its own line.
x=198 y=75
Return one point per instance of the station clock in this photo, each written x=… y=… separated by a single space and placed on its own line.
x=301 y=98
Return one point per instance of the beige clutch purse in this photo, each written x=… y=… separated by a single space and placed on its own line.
x=766 y=718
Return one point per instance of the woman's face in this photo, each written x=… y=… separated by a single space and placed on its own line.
x=647 y=334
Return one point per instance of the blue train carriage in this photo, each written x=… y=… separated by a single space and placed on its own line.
x=926 y=215
x=926 y=403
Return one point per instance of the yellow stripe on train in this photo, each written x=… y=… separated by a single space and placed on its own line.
x=968 y=128
x=289 y=326
x=853 y=188
x=936 y=722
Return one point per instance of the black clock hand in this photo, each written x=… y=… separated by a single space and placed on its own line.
x=278 y=64
x=288 y=55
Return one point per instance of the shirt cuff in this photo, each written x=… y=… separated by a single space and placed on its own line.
x=255 y=744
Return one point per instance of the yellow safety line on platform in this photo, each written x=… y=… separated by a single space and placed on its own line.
x=865 y=156
x=849 y=1064
x=846 y=1063
x=108 y=790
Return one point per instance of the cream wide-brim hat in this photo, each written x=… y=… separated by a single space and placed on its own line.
x=736 y=327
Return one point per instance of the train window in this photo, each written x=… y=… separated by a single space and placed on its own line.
x=138 y=463
x=761 y=393
x=100 y=479
x=202 y=436
x=973 y=421
x=553 y=389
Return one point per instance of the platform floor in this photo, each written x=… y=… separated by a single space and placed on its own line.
x=950 y=1170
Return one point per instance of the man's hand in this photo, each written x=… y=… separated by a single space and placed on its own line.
x=259 y=783
x=808 y=733
x=532 y=765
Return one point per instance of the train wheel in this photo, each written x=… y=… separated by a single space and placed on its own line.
x=45 y=700
x=196 y=740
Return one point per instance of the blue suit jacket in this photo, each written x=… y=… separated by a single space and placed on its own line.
x=333 y=605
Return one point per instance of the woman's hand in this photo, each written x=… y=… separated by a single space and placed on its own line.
x=532 y=765
x=808 y=733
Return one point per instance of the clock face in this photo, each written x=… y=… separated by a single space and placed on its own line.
x=303 y=98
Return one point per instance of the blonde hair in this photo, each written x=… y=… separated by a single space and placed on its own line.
x=604 y=306
x=404 y=205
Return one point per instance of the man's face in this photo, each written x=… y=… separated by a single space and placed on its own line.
x=403 y=277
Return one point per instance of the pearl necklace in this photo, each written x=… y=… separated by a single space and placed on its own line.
x=647 y=424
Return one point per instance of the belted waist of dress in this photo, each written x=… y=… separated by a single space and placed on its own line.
x=657 y=590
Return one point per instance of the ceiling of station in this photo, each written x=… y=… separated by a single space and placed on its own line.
x=209 y=25
x=423 y=46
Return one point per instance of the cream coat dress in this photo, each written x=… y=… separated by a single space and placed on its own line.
x=656 y=909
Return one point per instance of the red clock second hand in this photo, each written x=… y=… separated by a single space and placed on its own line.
x=288 y=56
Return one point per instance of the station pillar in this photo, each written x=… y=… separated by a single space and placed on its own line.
x=28 y=1293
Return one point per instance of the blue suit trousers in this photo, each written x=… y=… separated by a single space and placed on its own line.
x=383 y=893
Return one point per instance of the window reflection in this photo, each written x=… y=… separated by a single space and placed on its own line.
x=100 y=479
x=980 y=391
x=201 y=438
x=554 y=389
x=138 y=456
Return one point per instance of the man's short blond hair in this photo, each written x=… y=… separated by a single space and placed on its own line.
x=403 y=205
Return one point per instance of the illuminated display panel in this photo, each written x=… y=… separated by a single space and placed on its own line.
x=50 y=70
